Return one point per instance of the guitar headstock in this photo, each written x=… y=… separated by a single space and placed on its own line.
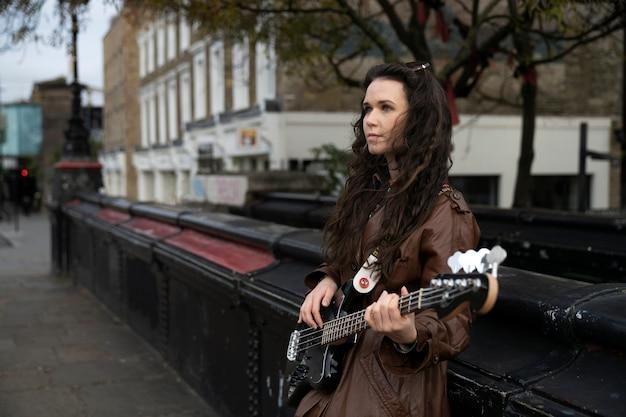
x=483 y=260
x=473 y=279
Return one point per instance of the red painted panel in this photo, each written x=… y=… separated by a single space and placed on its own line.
x=152 y=228
x=235 y=256
x=73 y=203
x=113 y=216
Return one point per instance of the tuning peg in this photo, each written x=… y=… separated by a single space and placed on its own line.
x=469 y=260
x=496 y=256
x=453 y=262
x=483 y=265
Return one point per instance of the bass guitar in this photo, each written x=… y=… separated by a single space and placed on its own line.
x=314 y=356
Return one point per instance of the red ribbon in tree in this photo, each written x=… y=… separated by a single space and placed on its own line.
x=530 y=76
x=442 y=28
x=421 y=13
x=454 y=113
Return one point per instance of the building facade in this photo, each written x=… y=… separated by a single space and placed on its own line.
x=121 y=111
x=55 y=98
x=205 y=106
x=210 y=106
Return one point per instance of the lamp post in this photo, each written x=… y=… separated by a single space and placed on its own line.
x=76 y=172
x=76 y=145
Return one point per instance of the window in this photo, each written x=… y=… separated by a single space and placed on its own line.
x=142 y=61
x=172 y=109
x=152 y=119
x=265 y=68
x=150 y=49
x=145 y=126
x=183 y=33
x=241 y=95
x=477 y=189
x=162 y=114
x=217 y=87
x=558 y=192
x=199 y=86
x=185 y=98
x=171 y=39
x=207 y=162
x=160 y=44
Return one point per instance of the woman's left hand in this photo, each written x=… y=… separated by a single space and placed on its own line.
x=384 y=317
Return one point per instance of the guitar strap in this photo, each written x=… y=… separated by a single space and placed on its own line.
x=368 y=276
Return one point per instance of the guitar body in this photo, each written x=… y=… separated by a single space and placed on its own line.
x=320 y=366
x=315 y=356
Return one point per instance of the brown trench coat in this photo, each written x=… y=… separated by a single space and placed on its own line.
x=377 y=380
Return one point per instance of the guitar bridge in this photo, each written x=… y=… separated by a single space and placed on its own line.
x=292 y=348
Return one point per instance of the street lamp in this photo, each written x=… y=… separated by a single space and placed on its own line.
x=76 y=172
x=76 y=145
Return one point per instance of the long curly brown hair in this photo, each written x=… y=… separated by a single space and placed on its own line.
x=422 y=149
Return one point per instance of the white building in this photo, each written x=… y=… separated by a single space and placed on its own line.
x=206 y=106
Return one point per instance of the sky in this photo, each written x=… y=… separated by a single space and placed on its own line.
x=27 y=63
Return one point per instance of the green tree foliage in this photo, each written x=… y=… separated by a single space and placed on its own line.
x=335 y=163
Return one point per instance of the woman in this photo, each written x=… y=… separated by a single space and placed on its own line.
x=396 y=201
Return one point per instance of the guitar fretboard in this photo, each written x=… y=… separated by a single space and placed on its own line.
x=351 y=324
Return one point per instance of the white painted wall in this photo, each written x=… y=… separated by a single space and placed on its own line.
x=490 y=145
x=306 y=130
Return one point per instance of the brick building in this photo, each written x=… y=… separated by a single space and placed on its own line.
x=121 y=111
x=55 y=98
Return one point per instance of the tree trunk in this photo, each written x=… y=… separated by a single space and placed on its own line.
x=523 y=184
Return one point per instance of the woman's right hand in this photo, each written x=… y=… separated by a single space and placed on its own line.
x=322 y=294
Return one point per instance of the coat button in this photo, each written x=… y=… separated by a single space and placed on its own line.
x=436 y=359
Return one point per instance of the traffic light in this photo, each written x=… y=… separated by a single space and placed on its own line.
x=24 y=172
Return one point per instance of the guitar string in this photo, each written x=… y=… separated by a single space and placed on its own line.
x=407 y=299
x=354 y=327
x=426 y=293
x=404 y=301
x=353 y=323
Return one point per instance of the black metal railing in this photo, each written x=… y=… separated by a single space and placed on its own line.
x=551 y=346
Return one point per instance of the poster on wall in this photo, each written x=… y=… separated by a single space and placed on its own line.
x=247 y=137
x=229 y=190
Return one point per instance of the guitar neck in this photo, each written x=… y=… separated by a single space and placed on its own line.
x=351 y=324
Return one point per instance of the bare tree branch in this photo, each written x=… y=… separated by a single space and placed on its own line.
x=347 y=80
x=576 y=45
x=368 y=31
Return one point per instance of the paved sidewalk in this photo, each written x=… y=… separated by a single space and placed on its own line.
x=63 y=354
